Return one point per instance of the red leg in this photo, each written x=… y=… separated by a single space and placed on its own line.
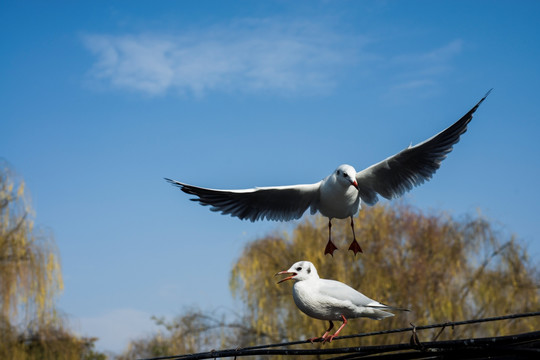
x=330 y=338
x=325 y=334
x=355 y=247
x=330 y=247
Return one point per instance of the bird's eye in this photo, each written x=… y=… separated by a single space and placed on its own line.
x=298 y=268
x=345 y=174
x=338 y=172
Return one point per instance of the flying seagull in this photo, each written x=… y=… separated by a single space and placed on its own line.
x=330 y=299
x=341 y=193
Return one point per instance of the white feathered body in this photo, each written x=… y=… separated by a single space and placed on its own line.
x=329 y=299
x=338 y=199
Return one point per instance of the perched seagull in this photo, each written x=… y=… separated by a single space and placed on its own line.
x=330 y=299
x=340 y=194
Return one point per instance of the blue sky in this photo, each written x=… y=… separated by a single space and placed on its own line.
x=101 y=100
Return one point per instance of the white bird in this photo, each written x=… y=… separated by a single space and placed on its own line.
x=340 y=194
x=330 y=299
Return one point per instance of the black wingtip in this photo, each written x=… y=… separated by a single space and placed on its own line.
x=485 y=96
x=472 y=111
x=173 y=182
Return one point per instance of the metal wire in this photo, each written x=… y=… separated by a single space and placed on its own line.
x=370 y=350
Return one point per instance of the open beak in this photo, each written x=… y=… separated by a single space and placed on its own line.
x=293 y=274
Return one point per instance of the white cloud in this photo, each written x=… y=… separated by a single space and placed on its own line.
x=116 y=328
x=138 y=63
x=262 y=55
x=247 y=55
x=433 y=57
x=423 y=71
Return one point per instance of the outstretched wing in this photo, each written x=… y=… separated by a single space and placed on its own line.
x=280 y=203
x=399 y=173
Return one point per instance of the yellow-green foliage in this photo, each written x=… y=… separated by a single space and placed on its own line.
x=29 y=264
x=45 y=342
x=440 y=268
x=30 y=280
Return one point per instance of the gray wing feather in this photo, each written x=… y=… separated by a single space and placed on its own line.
x=281 y=203
x=399 y=173
x=341 y=291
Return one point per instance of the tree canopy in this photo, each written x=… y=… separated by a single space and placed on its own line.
x=442 y=268
x=29 y=262
x=30 y=281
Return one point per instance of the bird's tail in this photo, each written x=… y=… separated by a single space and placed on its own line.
x=379 y=314
x=392 y=308
x=377 y=305
x=381 y=310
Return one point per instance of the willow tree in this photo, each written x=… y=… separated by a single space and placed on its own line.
x=30 y=276
x=441 y=268
x=30 y=280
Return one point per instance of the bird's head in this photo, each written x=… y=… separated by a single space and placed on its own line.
x=346 y=175
x=301 y=270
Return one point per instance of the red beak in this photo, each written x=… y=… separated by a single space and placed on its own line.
x=288 y=277
x=355 y=184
